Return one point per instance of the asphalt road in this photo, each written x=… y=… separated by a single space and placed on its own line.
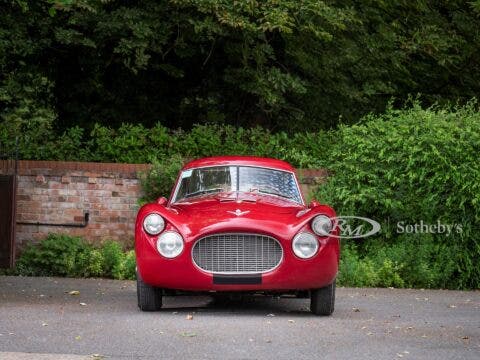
x=39 y=319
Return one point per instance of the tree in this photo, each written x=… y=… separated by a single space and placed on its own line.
x=283 y=64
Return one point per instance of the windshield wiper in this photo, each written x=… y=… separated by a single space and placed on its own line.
x=263 y=191
x=202 y=192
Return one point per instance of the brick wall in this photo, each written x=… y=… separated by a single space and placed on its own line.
x=62 y=192
x=52 y=192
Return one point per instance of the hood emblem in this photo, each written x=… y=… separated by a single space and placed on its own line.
x=238 y=212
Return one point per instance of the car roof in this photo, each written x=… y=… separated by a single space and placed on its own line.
x=239 y=160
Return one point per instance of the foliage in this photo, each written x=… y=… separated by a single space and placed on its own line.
x=63 y=255
x=126 y=267
x=284 y=65
x=413 y=263
x=355 y=271
x=59 y=255
x=112 y=254
x=408 y=166
x=160 y=180
x=138 y=144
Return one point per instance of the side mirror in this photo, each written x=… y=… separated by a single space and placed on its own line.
x=314 y=203
x=162 y=200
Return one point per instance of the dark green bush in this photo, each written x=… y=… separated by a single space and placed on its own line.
x=137 y=144
x=160 y=179
x=60 y=255
x=63 y=255
x=411 y=261
x=413 y=165
x=355 y=271
x=125 y=268
x=112 y=254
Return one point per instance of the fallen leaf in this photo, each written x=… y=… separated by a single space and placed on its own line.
x=78 y=337
x=73 y=292
x=83 y=304
x=188 y=334
x=189 y=317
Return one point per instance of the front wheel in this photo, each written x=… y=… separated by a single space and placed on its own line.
x=322 y=301
x=149 y=297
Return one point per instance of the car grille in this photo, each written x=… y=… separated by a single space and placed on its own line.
x=237 y=253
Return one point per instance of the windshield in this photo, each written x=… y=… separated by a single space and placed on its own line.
x=202 y=181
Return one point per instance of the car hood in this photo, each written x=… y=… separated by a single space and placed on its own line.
x=217 y=214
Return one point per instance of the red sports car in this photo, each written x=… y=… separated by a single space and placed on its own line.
x=237 y=224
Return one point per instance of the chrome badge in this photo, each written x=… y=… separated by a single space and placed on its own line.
x=238 y=212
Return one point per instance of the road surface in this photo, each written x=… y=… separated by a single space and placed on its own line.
x=56 y=318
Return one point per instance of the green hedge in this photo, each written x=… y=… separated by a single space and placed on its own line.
x=138 y=144
x=63 y=255
x=411 y=165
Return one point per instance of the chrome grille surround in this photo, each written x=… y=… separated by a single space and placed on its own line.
x=237 y=253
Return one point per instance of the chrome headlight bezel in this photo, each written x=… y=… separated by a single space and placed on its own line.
x=301 y=242
x=322 y=225
x=170 y=244
x=153 y=224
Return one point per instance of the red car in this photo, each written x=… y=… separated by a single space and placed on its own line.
x=237 y=224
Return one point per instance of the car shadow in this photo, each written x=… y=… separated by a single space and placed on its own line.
x=241 y=305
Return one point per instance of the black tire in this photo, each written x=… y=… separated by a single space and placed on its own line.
x=322 y=301
x=149 y=297
x=304 y=294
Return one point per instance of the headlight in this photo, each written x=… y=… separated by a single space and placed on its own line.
x=322 y=225
x=305 y=245
x=153 y=224
x=170 y=244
